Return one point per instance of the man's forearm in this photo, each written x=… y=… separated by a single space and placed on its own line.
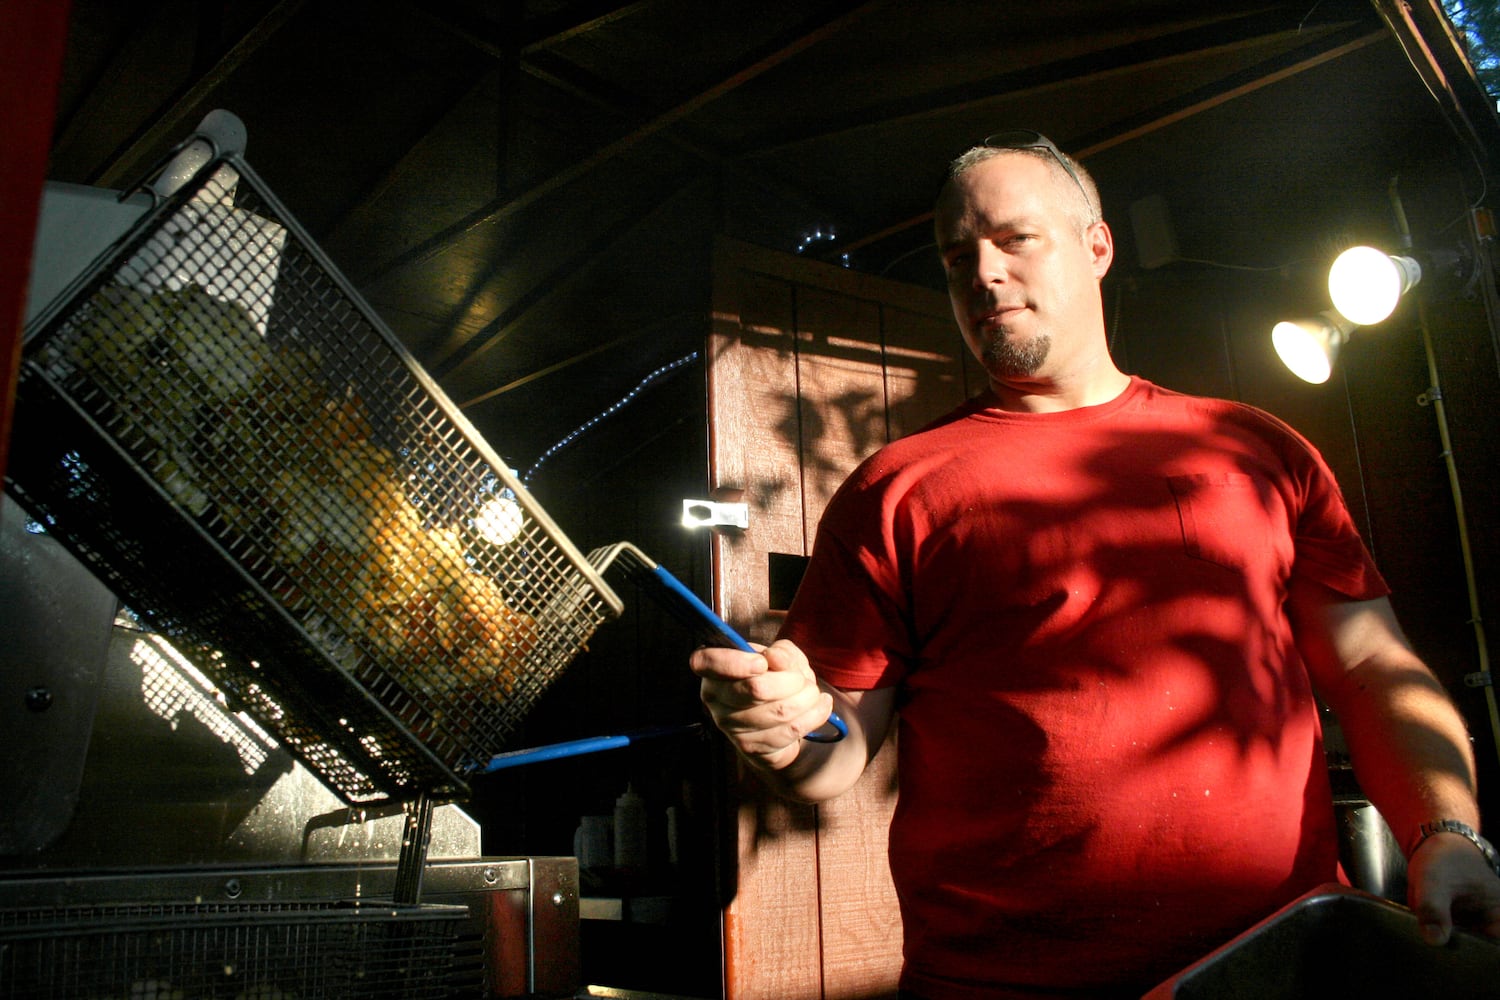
x=1407 y=741
x=1409 y=746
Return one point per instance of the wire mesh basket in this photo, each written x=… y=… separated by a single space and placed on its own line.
x=260 y=951
x=216 y=423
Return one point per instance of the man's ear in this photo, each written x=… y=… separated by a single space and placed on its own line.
x=1101 y=244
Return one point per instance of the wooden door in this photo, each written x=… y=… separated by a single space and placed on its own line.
x=812 y=368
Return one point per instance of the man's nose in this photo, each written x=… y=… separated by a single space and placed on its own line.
x=989 y=266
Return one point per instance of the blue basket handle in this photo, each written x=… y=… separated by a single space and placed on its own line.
x=700 y=619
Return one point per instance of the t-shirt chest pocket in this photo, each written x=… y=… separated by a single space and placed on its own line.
x=1226 y=517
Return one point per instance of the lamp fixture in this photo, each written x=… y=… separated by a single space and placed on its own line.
x=1309 y=346
x=1366 y=284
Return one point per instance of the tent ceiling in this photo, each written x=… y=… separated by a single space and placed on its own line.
x=527 y=191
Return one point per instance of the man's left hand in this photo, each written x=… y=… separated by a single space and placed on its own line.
x=1449 y=883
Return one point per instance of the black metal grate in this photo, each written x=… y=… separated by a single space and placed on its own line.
x=244 y=952
x=218 y=425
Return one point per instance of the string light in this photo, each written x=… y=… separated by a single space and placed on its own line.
x=614 y=408
x=818 y=236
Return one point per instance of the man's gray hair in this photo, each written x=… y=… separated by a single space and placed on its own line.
x=1094 y=206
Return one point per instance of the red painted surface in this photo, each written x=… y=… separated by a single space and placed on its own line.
x=32 y=38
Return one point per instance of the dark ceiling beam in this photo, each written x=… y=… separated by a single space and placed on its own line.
x=534 y=34
x=395 y=170
x=547 y=30
x=502 y=39
x=505 y=47
x=588 y=89
x=1331 y=47
x=563 y=76
x=459 y=351
x=1439 y=58
x=127 y=164
x=528 y=48
x=574 y=359
x=1328 y=49
x=493 y=38
x=72 y=123
x=1198 y=40
x=650 y=332
x=830 y=21
x=551 y=369
x=580 y=85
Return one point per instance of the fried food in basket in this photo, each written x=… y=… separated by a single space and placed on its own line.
x=258 y=436
x=161 y=359
x=184 y=346
x=356 y=545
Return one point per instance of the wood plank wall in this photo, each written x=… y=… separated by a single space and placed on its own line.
x=811 y=369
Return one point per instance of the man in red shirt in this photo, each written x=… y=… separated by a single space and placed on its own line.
x=1101 y=609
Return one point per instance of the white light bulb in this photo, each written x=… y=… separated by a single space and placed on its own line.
x=499 y=521
x=1302 y=351
x=1365 y=283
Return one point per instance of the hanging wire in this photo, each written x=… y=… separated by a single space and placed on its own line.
x=608 y=412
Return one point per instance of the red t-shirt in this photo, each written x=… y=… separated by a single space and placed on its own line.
x=1110 y=755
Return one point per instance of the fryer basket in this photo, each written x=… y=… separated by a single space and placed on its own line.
x=213 y=420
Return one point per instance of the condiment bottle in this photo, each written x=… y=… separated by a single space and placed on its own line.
x=630 y=833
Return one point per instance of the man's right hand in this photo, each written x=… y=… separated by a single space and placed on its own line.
x=764 y=702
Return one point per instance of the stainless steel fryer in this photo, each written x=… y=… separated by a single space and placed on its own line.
x=218 y=425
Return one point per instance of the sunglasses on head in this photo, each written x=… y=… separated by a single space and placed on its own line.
x=1022 y=138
